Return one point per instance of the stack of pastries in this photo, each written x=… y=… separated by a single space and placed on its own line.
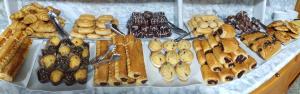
x=204 y=24
x=34 y=20
x=129 y=69
x=172 y=58
x=283 y=31
x=64 y=61
x=220 y=56
x=14 y=46
x=87 y=26
x=265 y=45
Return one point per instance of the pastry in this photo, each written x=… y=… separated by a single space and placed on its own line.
x=186 y=55
x=81 y=75
x=69 y=79
x=293 y=28
x=143 y=78
x=170 y=45
x=242 y=22
x=250 y=63
x=74 y=62
x=261 y=43
x=157 y=59
x=56 y=77
x=239 y=70
x=93 y=36
x=54 y=41
x=172 y=57
x=212 y=41
x=248 y=38
x=17 y=25
x=222 y=57
x=43 y=16
x=212 y=24
x=183 y=71
x=201 y=57
x=29 y=19
x=111 y=75
x=213 y=63
x=270 y=50
x=44 y=35
x=239 y=56
x=102 y=31
x=204 y=30
x=64 y=50
x=183 y=44
x=120 y=65
x=77 y=35
x=276 y=23
x=101 y=69
x=281 y=28
x=101 y=23
x=227 y=31
x=205 y=46
x=282 y=37
x=167 y=72
x=229 y=65
x=77 y=41
x=85 y=52
x=85 y=23
x=48 y=61
x=197 y=44
x=155 y=45
x=210 y=77
x=229 y=45
x=86 y=30
x=226 y=75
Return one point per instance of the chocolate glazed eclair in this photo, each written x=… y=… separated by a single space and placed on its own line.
x=226 y=75
x=205 y=46
x=239 y=56
x=210 y=77
x=239 y=70
x=250 y=63
x=221 y=56
x=213 y=63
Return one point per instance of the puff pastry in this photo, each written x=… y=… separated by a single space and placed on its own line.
x=227 y=31
x=250 y=63
x=197 y=44
x=239 y=70
x=248 y=38
x=239 y=56
x=229 y=45
x=201 y=57
x=226 y=75
x=212 y=41
x=205 y=46
x=270 y=50
x=221 y=56
x=210 y=77
x=213 y=63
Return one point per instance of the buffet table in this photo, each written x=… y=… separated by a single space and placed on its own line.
x=265 y=78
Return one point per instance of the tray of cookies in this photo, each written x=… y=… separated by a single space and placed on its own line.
x=87 y=26
x=16 y=54
x=61 y=65
x=33 y=19
x=129 y=70
x=171 y=63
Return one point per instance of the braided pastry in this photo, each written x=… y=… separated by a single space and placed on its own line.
x=29 y=31
x=17 y=15
x=43 y=16
x=29 y=19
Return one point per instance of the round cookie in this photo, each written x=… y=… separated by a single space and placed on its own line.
x=85 y=23
x=170 y=45
x=186 y=55
x=167 y=72
x=183 y=71
x=77 y=35
x=155 y=45
x=172 y=57
x=86 y=30
x=101 y=31
x=87 y=17
x=157 y=59
x=101 y=24
x=93 y=36
x=183 y=44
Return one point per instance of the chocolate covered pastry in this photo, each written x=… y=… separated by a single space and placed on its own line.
x=242 y=22
x=149 y=25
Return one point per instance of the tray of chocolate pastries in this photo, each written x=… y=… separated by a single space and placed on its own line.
x=61 y=64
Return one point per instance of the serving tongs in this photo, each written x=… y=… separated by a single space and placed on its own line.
x=259 y=22
x=114 y=28
x=176 y=29
x=59 y=28
x=184 y=35
x=101 y=59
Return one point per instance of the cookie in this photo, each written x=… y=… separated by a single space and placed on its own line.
x=64 y=50
x=87 y=17
x=186 y=55
x=172 y=57
x=56 y=77
x=77 y=41
x=183 y=71
x=85 y=23
x=183 y=44
x=74 y=62
x=54 y=41
x=102 y=31
x=86 y=30
x=77 y=35
x=93 y=36
x=101 y=24
x=48 y=61
x=167 y=72
x=157 y=59
x=170 y=45
x=155 y=45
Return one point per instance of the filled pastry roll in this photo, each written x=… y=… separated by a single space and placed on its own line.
x=130 y=81
x=197 y=44
x=229 y=45
x=111 y=75
x=250 y=63
x=101 y=74
x=118 y=40
x=227 y=31
x=261 y=43
x=210 y=77
x=239 y=70
x=270 y=50
x=201 y=57
x=221 y=56
x=283 y=37
x=248 y=38
x=120 y=65
x=7 y=51
x=212 y=41
x=213 y=63
x=226 y=75
x=239 y=56
x=205 y=46
x=229 y=65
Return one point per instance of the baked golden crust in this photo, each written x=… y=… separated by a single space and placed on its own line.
x=213 y=63
x=210 y=77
